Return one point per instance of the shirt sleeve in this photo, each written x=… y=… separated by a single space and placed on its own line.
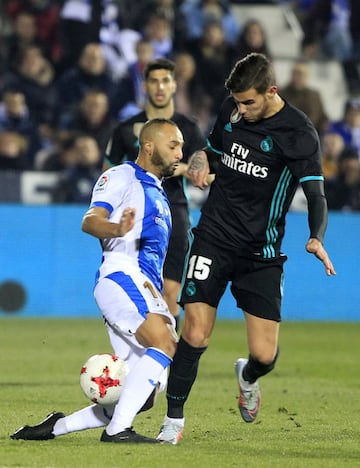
x=109 y=190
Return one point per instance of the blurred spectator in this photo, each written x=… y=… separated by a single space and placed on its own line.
x=332 y=30
x=190 y=98
x=343 y=191
x=349 y=126
x=333 y=146
x=133 y=96
x=15 y=117
x=76 y=182
x=34 y=76
x=13 y=151
x=327 y=30
x=298 y=93
x=84 y=22
x=213 y=56
x=170 y=9
x=199 y=12
x=89 y=73
x=46 y=15
x=90 y=117
x=118 y=44
x=251 y=39
x=60 y=156
x=158 y=32
x=23 y=33
x=79 y=24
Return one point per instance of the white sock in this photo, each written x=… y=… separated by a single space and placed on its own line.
x=90 y=417
x=139 y=384
x=178 y=421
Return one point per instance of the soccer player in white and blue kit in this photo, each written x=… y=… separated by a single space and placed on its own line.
x=130 y=214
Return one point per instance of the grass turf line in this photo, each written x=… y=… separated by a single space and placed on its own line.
x=309 y=415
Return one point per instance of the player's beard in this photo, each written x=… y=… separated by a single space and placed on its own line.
x=160 y=106
x=166 y=170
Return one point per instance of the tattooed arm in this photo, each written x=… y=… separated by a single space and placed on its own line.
x=199 y=170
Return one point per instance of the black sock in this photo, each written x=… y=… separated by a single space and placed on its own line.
x=183 y=371
x=255 y=369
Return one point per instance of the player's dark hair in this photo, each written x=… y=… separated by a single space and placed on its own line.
x=253 y=71
x=147 y=127
x=159 y=64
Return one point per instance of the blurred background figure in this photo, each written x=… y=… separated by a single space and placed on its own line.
x=298 y=93
x=252 y=38
x=158 y=31
x=133 y=97
x=76 y=182
x=15 y=117
x=343 y=191
x=213 y=58
x=38 y=21
x=22 y=34
x=349 y=126
x=89 y=73
x=332 y=145
x=134 y=13
x=90 y=117
x=13 y=151
x=199 y=12
x=332 y=31
x=56 y=158
x=34 y=76
x=190 y=98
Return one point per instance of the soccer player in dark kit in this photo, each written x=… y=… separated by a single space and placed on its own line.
x=160 y=87
x=261 y=148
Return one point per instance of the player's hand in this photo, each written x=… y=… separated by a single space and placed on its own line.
x=127 y=221
x=198 y=169
x=315 y=247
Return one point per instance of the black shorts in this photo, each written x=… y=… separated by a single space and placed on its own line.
x=178 y=244
x=256 y=283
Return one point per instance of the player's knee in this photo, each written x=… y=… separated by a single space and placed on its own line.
x=196 y=330
x=259 y=368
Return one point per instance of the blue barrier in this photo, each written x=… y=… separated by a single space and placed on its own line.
x=43 y=249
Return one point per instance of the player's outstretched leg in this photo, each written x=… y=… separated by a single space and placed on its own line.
x=250 y=397
x=41 y=431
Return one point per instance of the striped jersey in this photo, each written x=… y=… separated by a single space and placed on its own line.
x=260 y=166
x=145 y=246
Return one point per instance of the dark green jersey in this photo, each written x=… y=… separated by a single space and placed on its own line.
x=260 y=166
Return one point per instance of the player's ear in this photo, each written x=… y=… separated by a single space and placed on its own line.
x=272 y=90
x=149 y=146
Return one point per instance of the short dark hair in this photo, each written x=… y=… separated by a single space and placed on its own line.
x=253 y=71
x=159 y=64
x=157 y=123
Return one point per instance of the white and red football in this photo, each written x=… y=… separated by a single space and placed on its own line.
x=102 y=378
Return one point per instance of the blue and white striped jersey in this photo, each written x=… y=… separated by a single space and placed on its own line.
x=145 y=246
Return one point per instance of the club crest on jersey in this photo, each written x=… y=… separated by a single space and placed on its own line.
x=235 y=116
x=267 y=144
x=100 y=186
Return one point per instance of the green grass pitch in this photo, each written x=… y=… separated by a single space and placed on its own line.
x=310 y=414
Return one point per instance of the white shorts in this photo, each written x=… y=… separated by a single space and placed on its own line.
x=124 y=300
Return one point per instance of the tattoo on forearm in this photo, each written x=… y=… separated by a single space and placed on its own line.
x=197 y=162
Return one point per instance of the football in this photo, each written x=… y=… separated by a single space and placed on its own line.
x=102 y=378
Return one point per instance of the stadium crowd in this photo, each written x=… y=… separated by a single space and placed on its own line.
x=70 y=70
